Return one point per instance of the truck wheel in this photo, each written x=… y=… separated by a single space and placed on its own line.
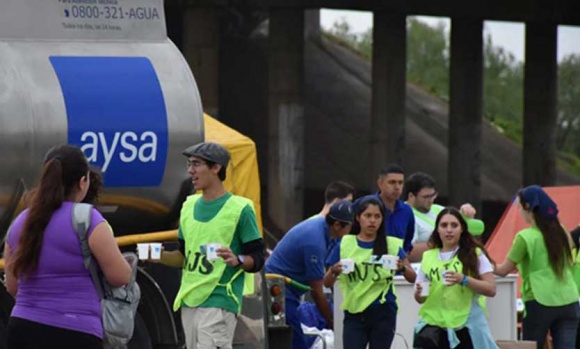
x=141 y=338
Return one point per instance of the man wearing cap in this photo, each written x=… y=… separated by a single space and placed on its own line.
x=210 y=295
x=421 y=193
x=301 y=254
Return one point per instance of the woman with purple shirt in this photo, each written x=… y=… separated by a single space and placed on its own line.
x=57 y=305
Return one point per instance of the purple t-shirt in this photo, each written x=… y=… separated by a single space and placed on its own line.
x=60 y=292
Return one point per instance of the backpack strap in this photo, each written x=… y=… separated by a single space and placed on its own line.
x=81 y=217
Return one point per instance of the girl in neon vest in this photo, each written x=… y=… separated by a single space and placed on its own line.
x=542 y=254
x=369 y=303
x=457 y=271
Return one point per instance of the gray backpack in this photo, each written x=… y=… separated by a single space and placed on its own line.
x=119 y=304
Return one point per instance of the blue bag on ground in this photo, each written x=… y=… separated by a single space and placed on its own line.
x=309 y=315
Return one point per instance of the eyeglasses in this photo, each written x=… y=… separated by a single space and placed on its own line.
x=194 y=163
x=430 y=196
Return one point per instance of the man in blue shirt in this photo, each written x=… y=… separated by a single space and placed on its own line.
x=400 y=221
x=301 y=255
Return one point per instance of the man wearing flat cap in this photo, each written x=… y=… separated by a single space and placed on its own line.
x=301 y=255
x=219 y=242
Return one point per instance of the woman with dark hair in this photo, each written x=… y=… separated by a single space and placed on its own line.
x=57 y=305
x=458 y=271
x=542 y=254
x=369 y=303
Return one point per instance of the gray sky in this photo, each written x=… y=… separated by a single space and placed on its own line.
x=509 y=35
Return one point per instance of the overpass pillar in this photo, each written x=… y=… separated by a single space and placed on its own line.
x=540 y=104
x=387 y=129
x=465 y=112
x=201 y=32
x=286 y=117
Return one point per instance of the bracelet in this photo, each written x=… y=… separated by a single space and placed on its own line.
x=465 y=281
x=403 y=269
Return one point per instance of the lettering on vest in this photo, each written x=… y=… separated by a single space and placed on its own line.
x=200 y=263
x=435 y=272
x=365 y=270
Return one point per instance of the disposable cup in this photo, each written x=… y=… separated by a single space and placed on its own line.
x=347 y=265
x=143 y=251
x=445 y=282
x=390 y=262
x=424 y=288
x=211 y=251
x=155 y=250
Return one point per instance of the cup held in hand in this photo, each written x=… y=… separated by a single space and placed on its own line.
x=211 y=251
x=445 y=282
x=390 y=262
x=347 y=265
x=424 y=288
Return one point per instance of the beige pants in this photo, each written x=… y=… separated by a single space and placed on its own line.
x=208 y=328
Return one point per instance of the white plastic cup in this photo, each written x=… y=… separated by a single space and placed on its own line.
x=155 y=250
x=143 y=251
x=445 y=282
x=424 y=288
x=347 y=265
x=211 y=251
x=390 y=262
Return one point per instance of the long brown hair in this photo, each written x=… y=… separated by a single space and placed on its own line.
x=555 y=239
x=63 y=168
x=467 y=252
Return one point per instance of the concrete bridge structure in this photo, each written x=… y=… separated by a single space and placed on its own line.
x=281 y=113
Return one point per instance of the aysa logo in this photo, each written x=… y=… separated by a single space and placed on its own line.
x=116 y=114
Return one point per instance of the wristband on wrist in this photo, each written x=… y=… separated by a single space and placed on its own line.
x=465 y=281
x=241 y=260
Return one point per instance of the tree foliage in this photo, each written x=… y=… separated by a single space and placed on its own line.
x=428 y=66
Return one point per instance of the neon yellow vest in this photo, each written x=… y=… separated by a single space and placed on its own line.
x=420 y=215
x=446 y=306
x=539 y=281
x=368 y=281
x=200 y=276
x=475 y=226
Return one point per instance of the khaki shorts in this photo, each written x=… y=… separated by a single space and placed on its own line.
x=208 y=328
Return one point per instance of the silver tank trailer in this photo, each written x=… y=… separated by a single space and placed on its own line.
x=102 y=75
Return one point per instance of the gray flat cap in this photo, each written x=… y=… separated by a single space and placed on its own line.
x=209 y=151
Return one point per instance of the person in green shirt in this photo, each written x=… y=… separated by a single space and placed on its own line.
x=542 y=254
x=219 y=241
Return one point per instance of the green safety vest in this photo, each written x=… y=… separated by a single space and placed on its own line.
x=539 y=280
x=368 y=281
x=475 y=226
x=446 y=306
x=422 y=216
x=200 y=276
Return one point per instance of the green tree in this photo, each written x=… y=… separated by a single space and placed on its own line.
x=569 y=104
x=428 y=66
x=428 y=56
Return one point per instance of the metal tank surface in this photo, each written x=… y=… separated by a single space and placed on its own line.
x=103 y=75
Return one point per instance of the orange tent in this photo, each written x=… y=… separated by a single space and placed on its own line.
x=511 y=222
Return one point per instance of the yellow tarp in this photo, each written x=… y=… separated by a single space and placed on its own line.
x=242 y=176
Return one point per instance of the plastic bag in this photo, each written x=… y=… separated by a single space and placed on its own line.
x=323 y=337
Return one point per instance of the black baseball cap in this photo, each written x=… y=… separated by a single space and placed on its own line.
x=209 y=151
